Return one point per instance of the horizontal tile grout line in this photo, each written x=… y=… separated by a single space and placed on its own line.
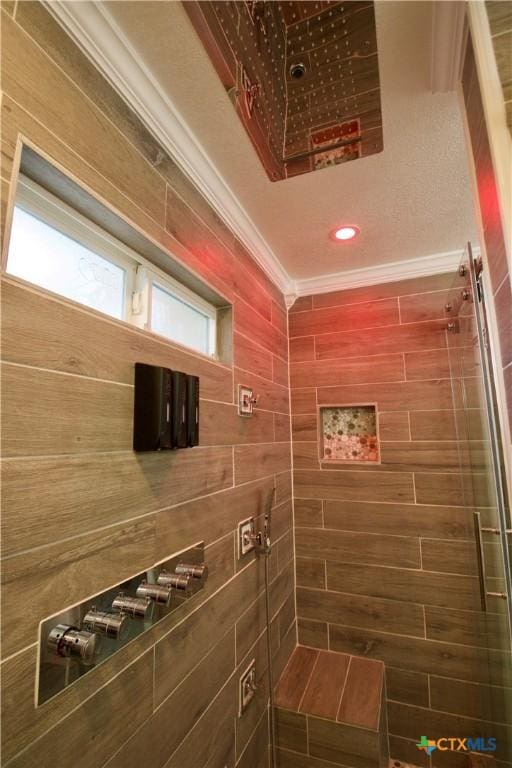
x=129 y=452
x=410 y=637
x=121 y=325
x=160 y=510
x=418 y=536
x=436 y=323
x=445 y=712
x=370 y=301
x=18 y=653
x=479 y=684
x=72 y=374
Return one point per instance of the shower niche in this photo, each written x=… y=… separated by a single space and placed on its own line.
x=78 y=639
x=349 y=433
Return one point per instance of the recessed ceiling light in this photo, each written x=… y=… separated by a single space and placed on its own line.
x=346 y=232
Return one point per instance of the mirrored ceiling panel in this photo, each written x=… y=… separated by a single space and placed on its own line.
x=302 y=76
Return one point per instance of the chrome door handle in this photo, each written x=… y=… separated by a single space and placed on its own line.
x=480 y=559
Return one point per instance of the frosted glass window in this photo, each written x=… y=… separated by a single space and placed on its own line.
x=179 y=321
x=44 y=256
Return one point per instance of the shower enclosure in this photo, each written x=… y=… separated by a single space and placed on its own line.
x=482 y=489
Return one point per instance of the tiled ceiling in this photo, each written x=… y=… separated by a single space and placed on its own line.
x=303 y=78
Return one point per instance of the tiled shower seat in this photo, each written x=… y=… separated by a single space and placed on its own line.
x=330 y=709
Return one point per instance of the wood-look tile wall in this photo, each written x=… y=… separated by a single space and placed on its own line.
x=489 y=203
x=80 y=510
x=385 y=553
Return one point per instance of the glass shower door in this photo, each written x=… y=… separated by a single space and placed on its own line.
x=482 y=488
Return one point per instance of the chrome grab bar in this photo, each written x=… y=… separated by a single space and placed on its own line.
x=484 y=594
x=480 y=559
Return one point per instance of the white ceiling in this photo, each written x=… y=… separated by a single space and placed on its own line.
x=410 y=201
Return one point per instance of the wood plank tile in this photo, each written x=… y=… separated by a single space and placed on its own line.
x=410 y=520
x=503 y=306
x=406 y=396
x=427 y=306
x=469 y=627
x=460 y=557
x=74 y=339
x=283 y=486
x=312 y=633
x=130 y=695
x=63 y=414
x=394 y=339
x=357 y=547
x=272 y=396
x=350 y=485
x=323 y=693
x=302 y=348
x=444 y=659
x=305 y=455
x=301 y=304
x=430 y=364
x=220 y=424
x=293 y=682
x=310 y=572
x=405 y=720
x=162 y=733
x=280 y=372
x=131 y=485
x=291 y=730
x=350 y=317
x=182 y=525
x=343 y=744
x=255 y=461
x=447 y=488
x=305 y=427
x=104 y=146
x=368 y=293
x=308 y=513
x=210 y=742
x=288 y=759
x=303 y=401
x=433 y=425
x=394 y=425
x=250 y=323
x=483 y=702
x=360 y=370
x=406 y=751
x=375 y=613
x=417 y=456
x=398 y=583
x=52 y=578
x=360 y=704
x=408 y=687
x=249 y=356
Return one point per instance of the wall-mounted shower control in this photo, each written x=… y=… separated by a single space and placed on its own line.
x=246 y=400
x=84 y=635
x=194 y=570
x=135 y=607
x=248 y=687
x=113 y=625
x=246 y=537
x=177 y=581
x=155 y=592
x=69 y=641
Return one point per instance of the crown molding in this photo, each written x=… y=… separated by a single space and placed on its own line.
x=449 y=31
x=103 y=42
x=424 y=266
x=100 y=38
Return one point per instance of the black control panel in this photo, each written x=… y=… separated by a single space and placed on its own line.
x=166 y=409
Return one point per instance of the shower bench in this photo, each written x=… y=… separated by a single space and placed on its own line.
x=329 y=708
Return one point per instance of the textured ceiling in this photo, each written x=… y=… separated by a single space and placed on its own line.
x=303 y=77
x=411 y=200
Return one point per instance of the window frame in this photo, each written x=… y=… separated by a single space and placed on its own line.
x=140 y=274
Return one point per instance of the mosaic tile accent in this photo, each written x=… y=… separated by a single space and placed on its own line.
x=349 y=433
